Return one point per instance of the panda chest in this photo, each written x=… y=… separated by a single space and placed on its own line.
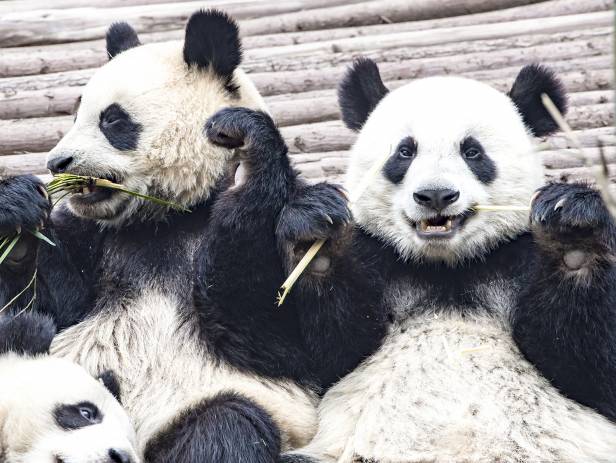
x=448 y=386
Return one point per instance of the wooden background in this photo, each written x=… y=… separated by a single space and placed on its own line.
x=297 y=50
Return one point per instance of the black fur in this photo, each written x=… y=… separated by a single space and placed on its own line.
x=225 y=428
x=566 y=324
x=28 y=333
x=110 y=381
x=24 y=204
x=398 y=164
x=359 y=92
x=296 y=458
x=300 y=340
x=533 y=81
x=477 y=160
x=120 y=37
x=213 y=41
x=119 y=128
x=76 y=416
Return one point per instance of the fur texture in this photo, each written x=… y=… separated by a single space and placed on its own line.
x=498 y=332
x=119 y=283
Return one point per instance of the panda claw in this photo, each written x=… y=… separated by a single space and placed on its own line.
x=560 y=203
x=328 y=218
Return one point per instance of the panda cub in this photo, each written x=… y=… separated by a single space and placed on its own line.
x=501 y=338
x=52 y=410
x=119 y=283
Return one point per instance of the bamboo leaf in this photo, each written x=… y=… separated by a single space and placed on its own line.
x=9 y=248
x=42 y=237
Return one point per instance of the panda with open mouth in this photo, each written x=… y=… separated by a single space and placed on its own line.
x=52 y=410
x=501 y=325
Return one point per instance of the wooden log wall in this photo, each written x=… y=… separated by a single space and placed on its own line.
x=297 y=50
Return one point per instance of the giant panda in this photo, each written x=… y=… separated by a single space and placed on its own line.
x=52 y=410
x=501 y=325
x=119 y=281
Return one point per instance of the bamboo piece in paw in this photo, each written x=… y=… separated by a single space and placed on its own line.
x=317 y=245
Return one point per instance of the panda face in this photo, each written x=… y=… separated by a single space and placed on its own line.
x=140 y=119
x=453 y=143
x=52 y=411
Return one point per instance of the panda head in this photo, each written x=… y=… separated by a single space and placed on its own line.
x=140 y=119
x=452 y=143
x=52 y=410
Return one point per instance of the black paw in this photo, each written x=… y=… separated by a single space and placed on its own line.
x=315 y=212
x=243 y=128
x=561 y=211
x=24 y=203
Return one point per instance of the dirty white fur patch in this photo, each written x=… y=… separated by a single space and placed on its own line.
x=30 y=390
x=452 y=390
x=164 y=370
x=439 y=113
x=171 y=102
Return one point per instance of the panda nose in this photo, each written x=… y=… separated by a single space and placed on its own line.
x=436 y=199
x=119 y=456
x=59 y=164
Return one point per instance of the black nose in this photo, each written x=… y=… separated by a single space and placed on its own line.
x=119 y=456
x=436 y=199
x=59 y=164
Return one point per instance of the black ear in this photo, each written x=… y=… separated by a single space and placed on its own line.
x=110 y=381
x=533 y=81
x=30 y=333
x=213 y=39
x=120 y=37
x=359 y=92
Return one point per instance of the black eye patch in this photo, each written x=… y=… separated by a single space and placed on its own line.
x=119 y=129
x=71 y=417
x=396 y=166
x=477 y=160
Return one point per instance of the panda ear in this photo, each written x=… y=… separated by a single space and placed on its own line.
x=213 y=40
x=359 y=92
x=110 y=380
x=30 y=333
x=533 y=81
x=120 y=37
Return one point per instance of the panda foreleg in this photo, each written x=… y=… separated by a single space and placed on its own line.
x=565 y=320
x=339 y=295
x=24 y=207
x=239 y=268
x=227 y=428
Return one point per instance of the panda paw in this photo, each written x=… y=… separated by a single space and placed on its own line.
x=253 y=132
x=315 y=212
x=572 y=214
x=24 y=203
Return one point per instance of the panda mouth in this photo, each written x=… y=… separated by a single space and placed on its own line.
x=91 y=193
x=441 y=226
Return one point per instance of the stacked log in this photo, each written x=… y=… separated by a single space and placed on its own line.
x=297 y=51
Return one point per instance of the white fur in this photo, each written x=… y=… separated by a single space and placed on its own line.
x=172 y=102
x=439 y=112
x=447 y=390
x=31 y=388
x=163 y=369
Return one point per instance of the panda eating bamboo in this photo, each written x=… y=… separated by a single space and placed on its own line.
x=501 y=331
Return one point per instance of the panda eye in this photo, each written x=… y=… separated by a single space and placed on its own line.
x=472 y=153
x=88 y=413
x=406 y=152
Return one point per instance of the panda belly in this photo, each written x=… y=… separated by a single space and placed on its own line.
x=164 y=369
x=451 y=390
